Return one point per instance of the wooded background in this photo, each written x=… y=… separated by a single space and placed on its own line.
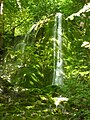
x=26 y=60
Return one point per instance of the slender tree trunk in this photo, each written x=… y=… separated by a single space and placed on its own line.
x=1 y=29
x=86 y=1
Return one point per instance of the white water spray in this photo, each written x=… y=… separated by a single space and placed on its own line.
x=57 y=46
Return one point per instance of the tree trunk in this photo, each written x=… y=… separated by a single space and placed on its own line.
x=1 y=29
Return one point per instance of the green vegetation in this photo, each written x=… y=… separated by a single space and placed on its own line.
x=26 y=60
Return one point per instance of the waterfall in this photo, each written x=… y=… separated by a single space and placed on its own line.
x=57 y=46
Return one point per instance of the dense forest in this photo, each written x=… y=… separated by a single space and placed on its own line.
x=27 y=55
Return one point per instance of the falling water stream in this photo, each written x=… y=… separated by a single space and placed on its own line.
x=57 y=46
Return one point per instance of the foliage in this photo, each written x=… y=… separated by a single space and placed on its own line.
x=26 y=72
x=78 y=93
x=76 y=65
x=31 y=104
x=29 y=64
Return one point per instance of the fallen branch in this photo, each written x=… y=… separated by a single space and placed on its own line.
x=86 y=8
